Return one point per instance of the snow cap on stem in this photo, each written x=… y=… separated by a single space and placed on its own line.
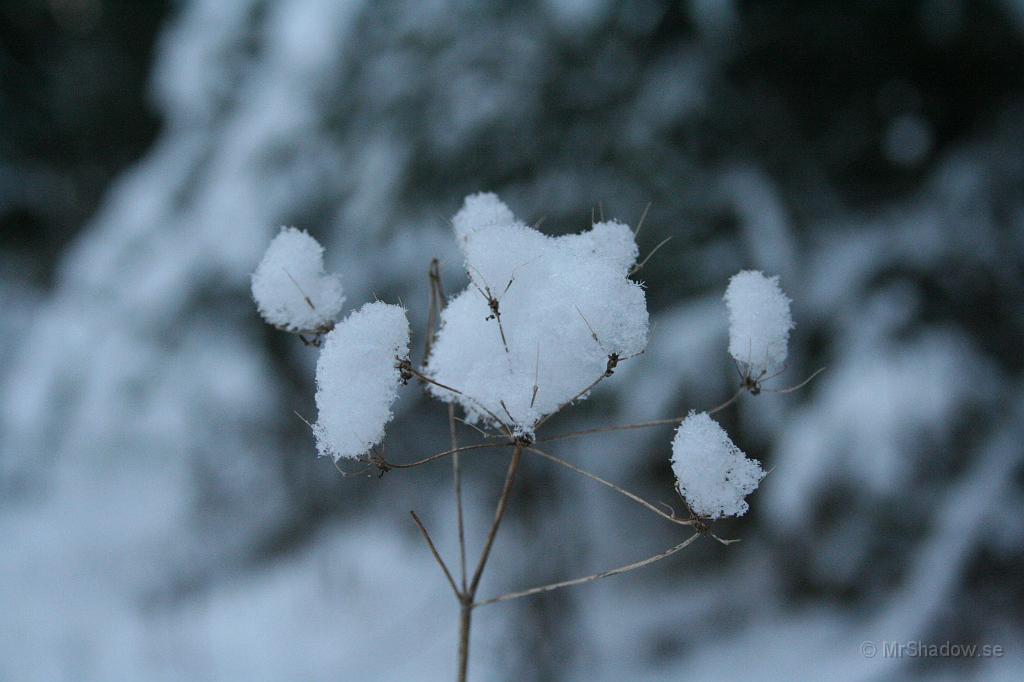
x=712 y=474
x=759 y=322
x=540 y=317
x=290 y=288
x=357 y=379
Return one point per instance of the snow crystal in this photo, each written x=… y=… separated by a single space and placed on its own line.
x=712 y=474
x=289 y=286
x=357 y=380
x=759 y=321
x=540 y=316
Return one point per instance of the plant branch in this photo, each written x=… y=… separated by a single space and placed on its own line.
x=441 y=455
x=423 y=377
x=622 y=491
x=499 y=514
x=437 y=557
x=457 y=480
x=591 y=578
x=571 y=400
x=675 y=421
x=798 y=386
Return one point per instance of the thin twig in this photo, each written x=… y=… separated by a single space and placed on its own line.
x=499 y=514
x=423 y=377
x=636 y=268
x=433 y=550
x=798 y=386
x=591 y=578
x=434 y=310
x=640 y=223
x=457 y=480
x=609 y=484
x=639 y=425
x=440 y=455
x=570 y=401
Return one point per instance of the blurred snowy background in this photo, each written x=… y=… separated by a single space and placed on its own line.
x=162 y=512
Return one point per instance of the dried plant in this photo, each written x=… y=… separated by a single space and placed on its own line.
x=542 y=322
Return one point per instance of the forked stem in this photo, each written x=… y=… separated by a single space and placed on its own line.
x=499 y=514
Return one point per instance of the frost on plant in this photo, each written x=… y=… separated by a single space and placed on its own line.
x=712 y=474
x=291 y=290
x=540 y=317
x=759 y=322
x=357 y=379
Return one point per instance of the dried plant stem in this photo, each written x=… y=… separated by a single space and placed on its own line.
x=622 y=491
x=441 y=455
x=423 y=377
x=468 y=594
x=465 y=622
x=591 y=578
x=571 y=400
x=457 y=481
x=499 y=514
x=800 y=385
x=675 y=421
x=433 y=550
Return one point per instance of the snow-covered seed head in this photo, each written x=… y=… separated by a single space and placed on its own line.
x=290 y=288
x=759 y=322
x=480 y=211
x=540 y=318
x=712 y=474
x=357 y=378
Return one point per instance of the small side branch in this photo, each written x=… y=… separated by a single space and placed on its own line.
x=622 y=491
x=675 y=421
x=384 y=464
x=591 y=578
x=409 y=371
x=437 y=557
x=576 y=397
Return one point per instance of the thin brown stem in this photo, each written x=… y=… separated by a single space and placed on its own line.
x=434 y=309
x=499 y=514
x=622 y=491
x=457 y=481
x=465 y=620
x=423 y=377
x=441 y=455
x=798 y=386
x=639 y=266
x=591 y=578
x=437 y=557
x=571 y=400
x=675 y=421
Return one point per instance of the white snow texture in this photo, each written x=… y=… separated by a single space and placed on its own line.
x=357 y=380
x=712 y=474
x=565 y=304
x=759 y=322
x=290 y=287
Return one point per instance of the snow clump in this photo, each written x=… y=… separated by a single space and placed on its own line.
x=759 y=322
x=290 y=288
x=540 y=317
x=357 y=379
x=712 y=474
